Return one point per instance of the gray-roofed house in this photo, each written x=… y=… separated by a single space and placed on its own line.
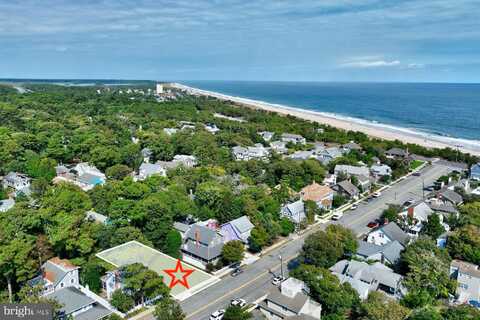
x=202 y=244
x=279 y=147
x=328 y=154
x=6 y=204
x=147 y=170
x=380 y=170
x=257 y=152
x=351 y=170
x=290 y=302
x=387 y=254
x=182 y=228
x=266 y=135
x=301 y=155
x=416 y=216
x=388 y=233
x=467 y=276
x=475 y=172
x=78 y=305
x=146 y=154
x=56 y=274
x=366 y=278
x=396 y=153
x=294 y=211
x=347 y=188
x=447 y=195
x=351 y=146
x=17 y=181
x=187 y=161
x=238 y=229
x=364 y=182
x=293 y=138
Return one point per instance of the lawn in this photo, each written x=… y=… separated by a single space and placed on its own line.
x=415 y=164
x=135 y=252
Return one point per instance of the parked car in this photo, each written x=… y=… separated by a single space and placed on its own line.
x=217 y=315
x=373 y=224
x=337 y=215
x=354 y=207
x=277 y=280
x=417 y=174
x=236 y=272
x=408 y=203
x=238 y=302
x=377 y=194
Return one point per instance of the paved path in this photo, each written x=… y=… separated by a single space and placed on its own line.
x=255 y=281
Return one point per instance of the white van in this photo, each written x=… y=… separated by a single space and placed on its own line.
x=337 y=215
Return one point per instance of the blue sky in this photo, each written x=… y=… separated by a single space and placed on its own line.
x=327 y=40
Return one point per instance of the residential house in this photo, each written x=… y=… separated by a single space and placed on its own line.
x=397 y=153
x=187 y=161
x=347 y=189
x=321 y=195
x=146 y=154
x=387 y=254
x=78 y=305
x=448 y=196
x=170 y=131
x=388 y=233
x=82 y=175
x=330 y=179
x=294 y=211
x=238 y=229
x=351 y=170
x=203 y=244
x=416 y=216
x=364 y=182
x=290 y=302
x=293 y=138
x=212 y=128
x=56 y=274
x=447 y=210
x=279 y=147
x=17 y=181
x=366 y=278
x=258 y=152
x=351 y=146
x=475 y=172
x=380 y=170
x=182 y=228
x=147 y=170
x=6 y=204
x=266 y=135
x=301 y=155
x=468 y=281
x=328 y=154
x=96 y=217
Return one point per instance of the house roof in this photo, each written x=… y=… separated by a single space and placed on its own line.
x=348 y=187
x=352 y=146
x=393 y=231
x=315 y=192
x=444 y=208
x=294 y=304
x=242 y=224
x=71 y=298
x=397 y=152
x=381 y=169
x=421 y=211
x=352 y=170
x=466 y=267
x=295 y=207
x=202 y=234
x=301 y=155
x=95 y=216
x=392 y=251
x=95 y=313
x=202 y=251
x=55 y=269
x=451 y=196
x=292 y=136
x=182 y=227
x=6 y=204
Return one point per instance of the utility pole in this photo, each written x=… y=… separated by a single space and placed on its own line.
x=423 y=188
x=281 y=265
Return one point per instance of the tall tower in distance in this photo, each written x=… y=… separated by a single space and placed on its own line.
x=159 y=88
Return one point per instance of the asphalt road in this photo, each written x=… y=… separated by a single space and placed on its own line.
x=255 y=281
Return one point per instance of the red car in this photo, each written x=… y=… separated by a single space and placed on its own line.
x=373 y=224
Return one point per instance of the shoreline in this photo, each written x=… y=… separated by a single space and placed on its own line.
x=372 y=129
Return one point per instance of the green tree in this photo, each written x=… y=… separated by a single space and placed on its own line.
x=118 y=171
x=236 y=313
x=142 y=282
x=287 y=227
x=379 y=307
x=461 y=312
x=233 y=251
x=168 y=309
x=338 y=200
x=90 y=275
x=425 y=314
x=258 y=239
x=464 y=244
x=122 y=301
x=173 y=243
x=433 y=227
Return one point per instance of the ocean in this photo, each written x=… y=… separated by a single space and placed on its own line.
x=441 y=109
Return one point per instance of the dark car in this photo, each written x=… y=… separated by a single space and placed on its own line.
x=236 y=272
x=373 y=224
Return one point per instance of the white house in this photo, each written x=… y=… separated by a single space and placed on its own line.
x=149 y=169
x=17 y=181
x=279 y=147
x=266 y=135
x=258 y=152
x=185 y=160
x=467 y=276
x=294 y=211
x=6 y=204
x=56 y=274
x=351 y=170
x=380 y=170
x=82 y=175
x=290 y=302
x=212 y=128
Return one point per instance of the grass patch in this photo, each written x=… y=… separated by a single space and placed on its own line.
x=415 y=164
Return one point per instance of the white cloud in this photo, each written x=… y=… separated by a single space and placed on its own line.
x=370 y=64
x=415 y=66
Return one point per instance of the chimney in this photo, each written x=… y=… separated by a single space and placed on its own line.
x=410 y=212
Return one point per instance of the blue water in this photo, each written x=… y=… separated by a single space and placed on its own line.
x=444 y=109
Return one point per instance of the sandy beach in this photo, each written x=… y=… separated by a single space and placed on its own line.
x=370 y=128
